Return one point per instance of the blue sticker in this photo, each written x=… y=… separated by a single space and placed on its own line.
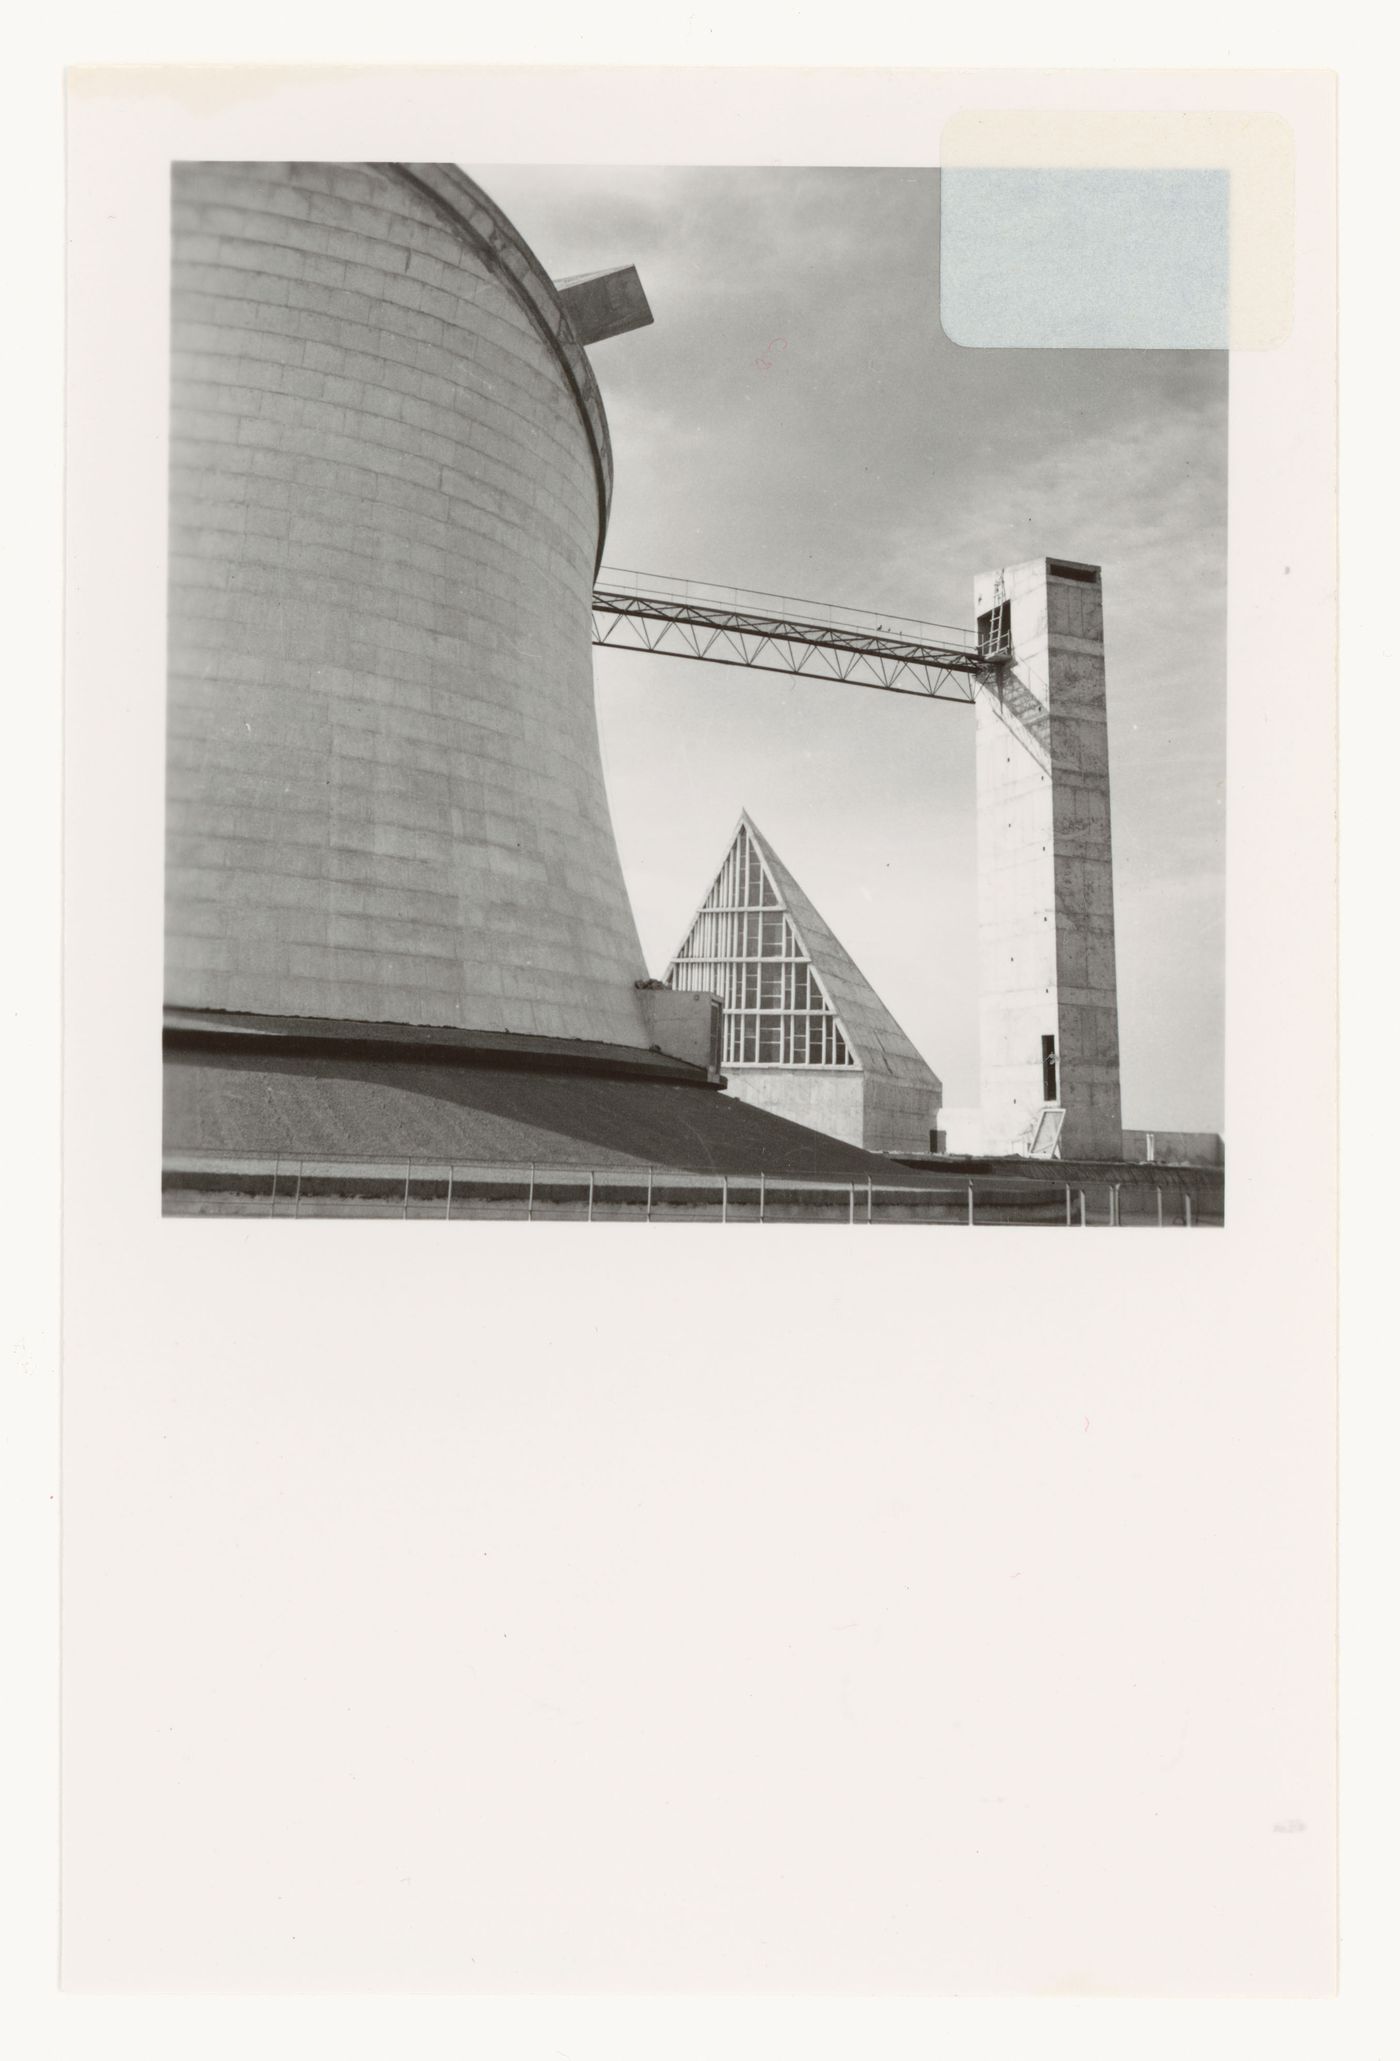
x=1086 y=260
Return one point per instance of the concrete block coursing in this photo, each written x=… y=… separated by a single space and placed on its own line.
x=385 y=794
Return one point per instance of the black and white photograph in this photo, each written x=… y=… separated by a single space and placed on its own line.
x=659 y=730
x=699 y=647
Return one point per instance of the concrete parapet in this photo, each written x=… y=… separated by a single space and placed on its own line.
x=1174 y=1148
x=828 y=1100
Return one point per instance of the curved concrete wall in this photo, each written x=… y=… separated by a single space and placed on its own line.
x=389 y=473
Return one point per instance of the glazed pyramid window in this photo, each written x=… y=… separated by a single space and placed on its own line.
x=744 y=947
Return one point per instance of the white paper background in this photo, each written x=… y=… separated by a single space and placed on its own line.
x=454 y=1607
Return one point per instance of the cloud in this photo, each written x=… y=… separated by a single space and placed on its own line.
x=877 y=464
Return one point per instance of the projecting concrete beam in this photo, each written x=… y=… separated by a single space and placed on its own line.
x=603 y=304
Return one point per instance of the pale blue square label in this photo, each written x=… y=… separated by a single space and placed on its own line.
x=1085 y=260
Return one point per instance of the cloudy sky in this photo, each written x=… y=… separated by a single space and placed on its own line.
x=880 y=466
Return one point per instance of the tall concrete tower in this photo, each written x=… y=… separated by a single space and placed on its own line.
x=1049 y=997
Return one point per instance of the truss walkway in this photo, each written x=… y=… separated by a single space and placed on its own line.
x=776 y=633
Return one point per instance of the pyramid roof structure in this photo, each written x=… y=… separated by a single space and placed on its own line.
x=868 y=1036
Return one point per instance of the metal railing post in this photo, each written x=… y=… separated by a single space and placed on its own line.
x=339 y=1179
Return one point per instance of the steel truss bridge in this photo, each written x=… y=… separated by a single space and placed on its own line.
x=773 y=633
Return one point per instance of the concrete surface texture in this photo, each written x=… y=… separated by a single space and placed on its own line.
x=603 y=304
x=389 y=478
x=1045 y=867
x=874 y=1112
x=826 y=1099
x=686 y=1026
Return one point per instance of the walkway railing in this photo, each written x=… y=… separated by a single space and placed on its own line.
x=830 y=615
x=198 y=1184
x=780 y=633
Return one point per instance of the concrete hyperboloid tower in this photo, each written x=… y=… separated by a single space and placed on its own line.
x=390 y=477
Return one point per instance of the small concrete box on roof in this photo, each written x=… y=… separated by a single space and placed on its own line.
x=805 y=1034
